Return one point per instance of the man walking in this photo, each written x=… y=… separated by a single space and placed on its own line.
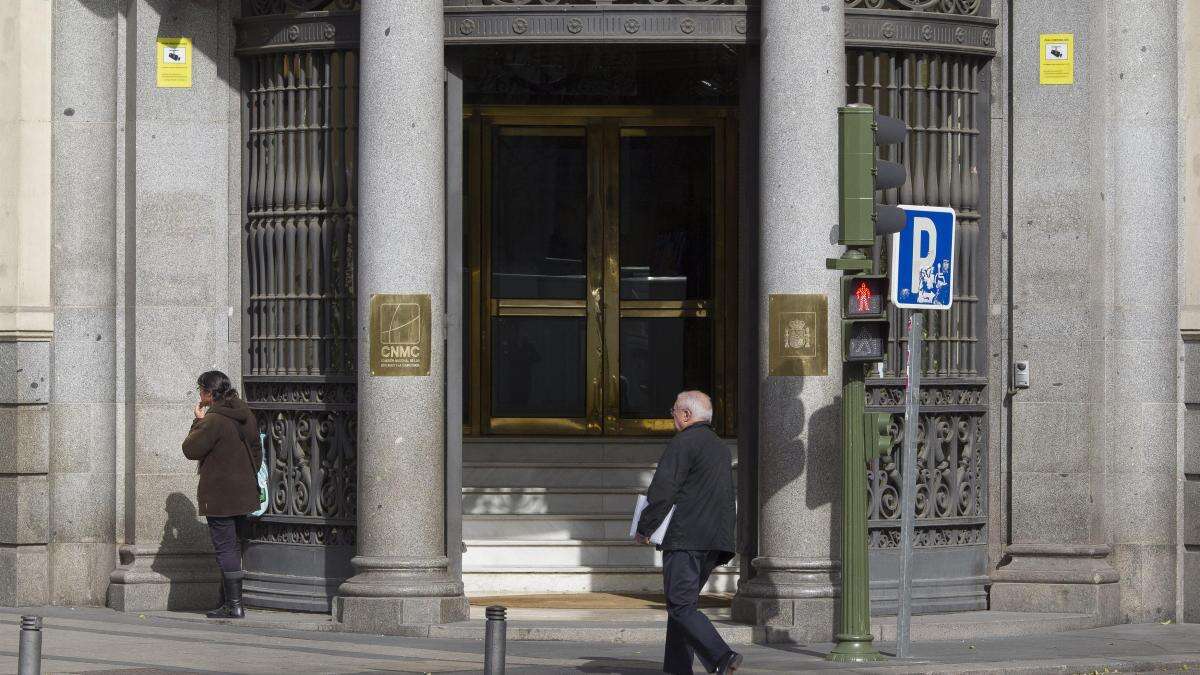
x=695 y=476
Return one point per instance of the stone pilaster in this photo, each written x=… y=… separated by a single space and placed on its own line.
x=1142 y=328
x=174 y=267
x=82 y=477
x=26 y=316
x=1056 y=559
x=1189 y=321
x=402 y=575
x=1094 y=439
x=795 y=586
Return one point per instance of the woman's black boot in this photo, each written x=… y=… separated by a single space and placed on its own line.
x=220 y=610
x=231 y=584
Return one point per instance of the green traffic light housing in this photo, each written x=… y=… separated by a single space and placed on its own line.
x=878 y=427
x=864 y=317
x=861 y=174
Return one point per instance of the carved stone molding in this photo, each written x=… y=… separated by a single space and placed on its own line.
x=924 y=31
x=964 y=7
x=601 y=23
x=279 y=33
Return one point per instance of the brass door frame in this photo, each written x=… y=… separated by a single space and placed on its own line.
x=603 y=127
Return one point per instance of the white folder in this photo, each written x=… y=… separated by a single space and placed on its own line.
x=657 y=537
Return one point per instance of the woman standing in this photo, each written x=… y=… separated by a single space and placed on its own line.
x=224 y=439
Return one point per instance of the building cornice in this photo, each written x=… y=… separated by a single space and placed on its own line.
x=599 y=24
x=920 y=31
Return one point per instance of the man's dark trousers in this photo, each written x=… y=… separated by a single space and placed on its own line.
x=688 y=630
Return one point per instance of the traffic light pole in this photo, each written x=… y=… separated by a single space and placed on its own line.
x=854 y=639
x=861 y=175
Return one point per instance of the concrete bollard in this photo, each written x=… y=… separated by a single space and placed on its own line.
x=29 y=659
x=493 y=641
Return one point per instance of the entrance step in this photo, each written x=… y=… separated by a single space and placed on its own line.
x=479 y=501
x=543 y=526
x=571 y=566
x=557 y=474
x=552 y=515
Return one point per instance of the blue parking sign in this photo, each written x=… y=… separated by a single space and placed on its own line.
x=923 y=258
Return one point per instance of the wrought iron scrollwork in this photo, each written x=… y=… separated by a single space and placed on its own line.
x=269 y=7
x=940 y=98
x=299 y=240
x=614 y=2
x=963 y=7
x=950 y=502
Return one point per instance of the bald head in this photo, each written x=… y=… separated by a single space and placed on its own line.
x=698 y=408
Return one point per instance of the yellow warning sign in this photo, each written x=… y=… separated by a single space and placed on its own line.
x=1058 y=58
x=174 y=58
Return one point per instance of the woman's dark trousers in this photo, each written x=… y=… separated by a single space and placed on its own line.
x=224 y=531
x=688 y=630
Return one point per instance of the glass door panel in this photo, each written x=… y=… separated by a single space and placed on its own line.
x=666 y=214
x=662 y=339
x=660 y=357
x=596 y=280
x=539 y=214
x=538 y=236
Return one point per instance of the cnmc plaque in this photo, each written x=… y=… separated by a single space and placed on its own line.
x=400 y=334
x=799 y=341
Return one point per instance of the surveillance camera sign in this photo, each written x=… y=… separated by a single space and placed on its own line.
x=1058 y=59
x=174 y=62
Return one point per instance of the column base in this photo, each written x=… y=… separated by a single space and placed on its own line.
x=855 y=649
x=1059 y=578
x=794 y=599
x=151 y=579
x=392 y=596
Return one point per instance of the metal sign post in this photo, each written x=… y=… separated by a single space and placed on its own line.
x=908 y=479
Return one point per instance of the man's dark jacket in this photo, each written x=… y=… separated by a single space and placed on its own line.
x=228 y=468
x=695 y=475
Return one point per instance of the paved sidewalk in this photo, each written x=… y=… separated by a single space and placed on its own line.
x=100 y=640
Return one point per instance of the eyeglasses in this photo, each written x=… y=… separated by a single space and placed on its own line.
x=671 y=411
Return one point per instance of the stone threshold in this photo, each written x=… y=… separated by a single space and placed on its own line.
x=644 y=626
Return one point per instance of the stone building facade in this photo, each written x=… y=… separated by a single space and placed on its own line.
x=600 y=201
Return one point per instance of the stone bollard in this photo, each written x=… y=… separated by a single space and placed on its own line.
x=29 y=659
x=493 y=641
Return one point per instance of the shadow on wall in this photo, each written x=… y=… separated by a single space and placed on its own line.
x=183 y=537
x=209 y=24
x=812 y=447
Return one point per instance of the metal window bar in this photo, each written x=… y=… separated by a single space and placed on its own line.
x=300 y=213
x=938 y=96
x=301 y=113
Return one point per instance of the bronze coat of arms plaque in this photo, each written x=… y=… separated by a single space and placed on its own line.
x=400 y=334
x=799 y=341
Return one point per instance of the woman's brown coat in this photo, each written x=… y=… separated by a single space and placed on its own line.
x=228 y=473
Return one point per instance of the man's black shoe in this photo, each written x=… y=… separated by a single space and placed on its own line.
x=730 y=663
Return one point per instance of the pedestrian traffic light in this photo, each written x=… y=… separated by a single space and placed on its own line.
x=877 y=426
x=861 y=174
x=864 y=317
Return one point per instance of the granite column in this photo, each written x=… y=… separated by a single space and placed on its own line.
x=83 y=400
x=402 y=574
x=795 y=582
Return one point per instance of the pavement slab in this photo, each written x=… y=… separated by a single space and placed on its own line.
x=79 y=640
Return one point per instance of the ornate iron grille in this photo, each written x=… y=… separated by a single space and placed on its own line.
x=301 y=213
x=966 y=7
x=512 y=3
x=300 y=172
x=938 y=96
x=270 y=7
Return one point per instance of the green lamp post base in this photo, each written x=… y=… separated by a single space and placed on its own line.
x=855 y=649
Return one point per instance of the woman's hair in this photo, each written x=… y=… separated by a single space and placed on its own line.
x=217 y=383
